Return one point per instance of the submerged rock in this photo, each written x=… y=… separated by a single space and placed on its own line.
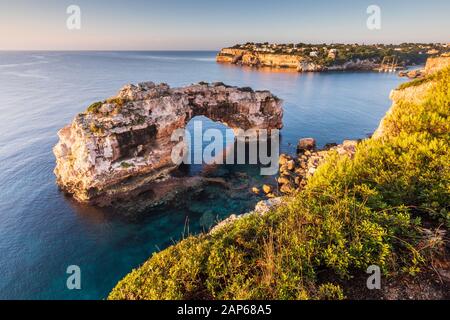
x=121 y=146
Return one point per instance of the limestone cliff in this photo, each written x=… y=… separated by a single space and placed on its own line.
x=415 y=91
x=437 y=63
x=290 y=61
x=249 y=58
x=119 y=146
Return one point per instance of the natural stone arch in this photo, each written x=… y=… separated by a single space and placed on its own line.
x=121 y=144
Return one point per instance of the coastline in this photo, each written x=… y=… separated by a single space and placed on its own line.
x=328 y=58
x=243 y=237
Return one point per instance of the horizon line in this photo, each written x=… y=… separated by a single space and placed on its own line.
x=209 y=50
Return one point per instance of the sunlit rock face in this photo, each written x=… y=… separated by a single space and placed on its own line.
x=289 y=61
x=413 y=94
x=119 y=147
x=258 y=59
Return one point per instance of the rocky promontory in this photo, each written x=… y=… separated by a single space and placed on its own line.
x=122 y=146
x=289 y=61
x=330 y=57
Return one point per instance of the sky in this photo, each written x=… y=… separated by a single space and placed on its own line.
x=212 y=24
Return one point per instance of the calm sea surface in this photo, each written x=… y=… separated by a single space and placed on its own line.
x=42 y=232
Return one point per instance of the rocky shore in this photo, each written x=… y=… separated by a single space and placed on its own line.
x=433 y=65
x=294 y=172
x=293 y=175
x=280 y=61
x=120 y=147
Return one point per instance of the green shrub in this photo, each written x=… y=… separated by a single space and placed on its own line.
x=413 y=83
x=96 y=129
x=95 y=107
x=353 y=213
x=329 y=291
x=126 y=165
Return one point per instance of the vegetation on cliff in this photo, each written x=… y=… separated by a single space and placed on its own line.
x=378 y=208
x=335 y=54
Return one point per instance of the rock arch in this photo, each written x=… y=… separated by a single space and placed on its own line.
x=118 y=146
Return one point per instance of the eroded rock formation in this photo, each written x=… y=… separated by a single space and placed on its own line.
x=119 y=147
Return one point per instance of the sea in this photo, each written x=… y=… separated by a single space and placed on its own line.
x=43 y=232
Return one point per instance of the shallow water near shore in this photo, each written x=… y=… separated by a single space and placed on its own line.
x=42 y=231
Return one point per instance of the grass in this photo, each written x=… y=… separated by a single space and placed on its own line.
x=422 y=80
x=413 y=83
x=126 y=165
x=96 y=129
x=95 y=107
x=353 y=213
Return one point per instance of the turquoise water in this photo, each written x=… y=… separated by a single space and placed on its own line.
x=42 y=232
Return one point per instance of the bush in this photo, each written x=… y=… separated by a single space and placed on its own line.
x=95 y=107
x=353 y=213
x=96 y=129
x=126 y=165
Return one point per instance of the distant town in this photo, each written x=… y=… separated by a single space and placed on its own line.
x=322 y=57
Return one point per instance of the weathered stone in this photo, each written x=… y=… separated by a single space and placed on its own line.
x=283 y=180
x=284 y=171
x=283 y=159
x=349 y=145
x=266 y=188
x=120 y=145
x=261 y=208
x=291 y=165
x=329 y=145
x=306 y=144
x=287 y=188
x=265 y=206
x=307 y=66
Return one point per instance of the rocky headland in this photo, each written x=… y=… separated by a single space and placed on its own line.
x=288 y=61
x=121 y=147
x=333 y=57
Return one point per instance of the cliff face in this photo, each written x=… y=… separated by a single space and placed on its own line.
x=249 y=58
x=415 y=91
x=436 y=64
x=273 y=60
x=120 y=145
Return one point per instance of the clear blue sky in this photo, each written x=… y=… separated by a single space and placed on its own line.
x=212 y=24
